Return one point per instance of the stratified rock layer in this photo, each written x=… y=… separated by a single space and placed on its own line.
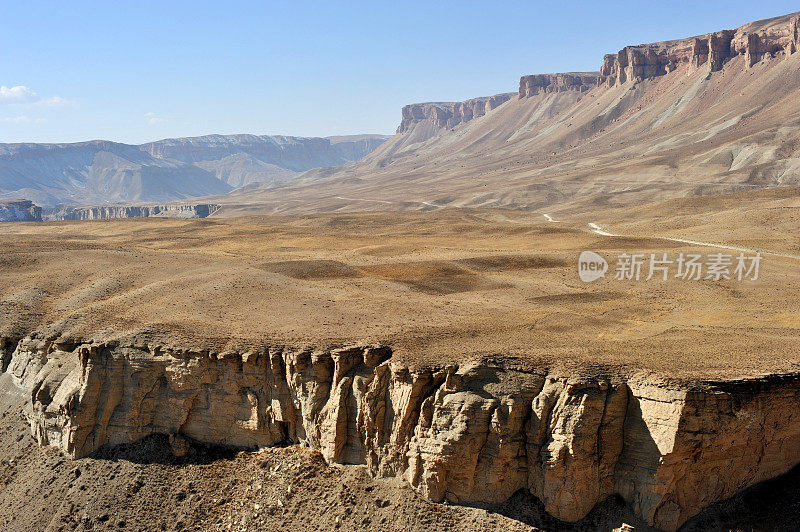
x=548 y=83
x=19 y=211
x=446 y=115
x=714 y=49
x=102 y=212
x=473 y=434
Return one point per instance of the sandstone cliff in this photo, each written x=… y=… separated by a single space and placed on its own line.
x=717 y=114
x=473 y=434
x=198 y=210
x=19 y=211
x=548 y=83
x=770 y=38
x=446 y=115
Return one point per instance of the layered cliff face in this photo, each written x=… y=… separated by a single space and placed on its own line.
x=19 y=211
x=753 y=41
x=473 y=434
x=446 y=115
x=548 y=83
x=198 y=210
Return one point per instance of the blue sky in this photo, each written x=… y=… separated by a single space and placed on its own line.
x=140 y=71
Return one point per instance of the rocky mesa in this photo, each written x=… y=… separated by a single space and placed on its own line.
x=446 y=115
x=198 y=210
x=549 y=83
x=19 y=211
x=754 y=41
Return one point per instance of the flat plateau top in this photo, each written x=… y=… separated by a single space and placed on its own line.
x=442 y=286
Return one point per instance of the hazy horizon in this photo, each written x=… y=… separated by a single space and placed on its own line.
x=136 y=73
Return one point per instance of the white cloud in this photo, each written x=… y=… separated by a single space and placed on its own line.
x=23 y=120
x=153 y=118
x=17 y=94
x=20 y=94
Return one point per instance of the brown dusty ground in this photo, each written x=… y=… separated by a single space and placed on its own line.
x=448 y=285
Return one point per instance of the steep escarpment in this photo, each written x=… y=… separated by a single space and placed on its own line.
x=548 y=83
x=754 y=42
x=473 y=433
x=19 y=211
x=704 y=115
x=102 y=212
x=446 y=115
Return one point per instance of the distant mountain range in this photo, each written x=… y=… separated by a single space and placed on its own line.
x=100 y=171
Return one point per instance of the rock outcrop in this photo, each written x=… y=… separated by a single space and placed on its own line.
x=548 y=83
x=472 y=434
x=754 y=41
x=19 y=211
x=102 y=212
x=446 y=115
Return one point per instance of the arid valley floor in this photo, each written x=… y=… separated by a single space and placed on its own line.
x=437 y=286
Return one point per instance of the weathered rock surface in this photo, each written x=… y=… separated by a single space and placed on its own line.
x=473 y=434
x=199 y=210
x=446 y=115
x=19 y=211
x=548 y=83
x=753 y=41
